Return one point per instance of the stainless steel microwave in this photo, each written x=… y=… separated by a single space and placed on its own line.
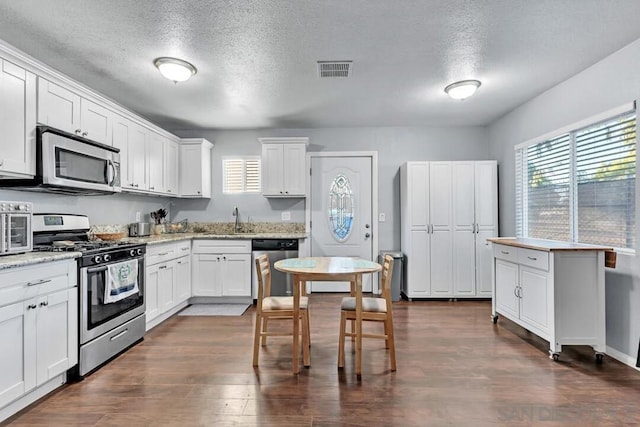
x=70 y=164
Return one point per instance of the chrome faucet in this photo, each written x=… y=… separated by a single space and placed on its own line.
x=236 y=227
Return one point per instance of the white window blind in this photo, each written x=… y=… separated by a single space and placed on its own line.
x=580 y=186
x=241 y=175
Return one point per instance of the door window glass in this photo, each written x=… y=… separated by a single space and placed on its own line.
x=341 y=209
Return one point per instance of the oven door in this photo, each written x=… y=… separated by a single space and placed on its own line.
x=98 y=317
x=71 y=163
x=16 y=233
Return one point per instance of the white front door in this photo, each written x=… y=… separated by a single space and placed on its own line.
x=341 y=213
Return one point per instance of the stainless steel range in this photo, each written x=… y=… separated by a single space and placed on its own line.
x=110 y=285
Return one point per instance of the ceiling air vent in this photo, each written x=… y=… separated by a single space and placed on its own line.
x=330 y=69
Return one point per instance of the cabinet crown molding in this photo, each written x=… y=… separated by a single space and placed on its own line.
x=285 y=140
x=196 y=141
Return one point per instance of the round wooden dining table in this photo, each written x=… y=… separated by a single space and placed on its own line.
x=326 y=269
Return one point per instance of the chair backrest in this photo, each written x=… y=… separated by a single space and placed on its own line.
x=387 y=272
x=264 y=277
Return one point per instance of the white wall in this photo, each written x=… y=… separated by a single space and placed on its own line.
x=395 y=145
x=610 y=83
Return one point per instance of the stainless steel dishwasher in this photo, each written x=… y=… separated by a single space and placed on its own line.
x=276 y=249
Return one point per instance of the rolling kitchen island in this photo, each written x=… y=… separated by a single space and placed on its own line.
x=553 y=289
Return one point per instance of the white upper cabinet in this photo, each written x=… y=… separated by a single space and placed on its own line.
x=58 y=107
x=284 y=167
x=96 y=122
x=65 y=110
x=155 y=163
x=17 y=120
x=171 y=167
x=131 y=139
x=195 y=168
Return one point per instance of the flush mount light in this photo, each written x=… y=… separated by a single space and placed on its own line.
x=175 y=69
x=462 y=89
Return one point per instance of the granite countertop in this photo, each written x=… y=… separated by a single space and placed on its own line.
x=546 y=245
x=29 y=258
x=10 y=261
x=174 y=237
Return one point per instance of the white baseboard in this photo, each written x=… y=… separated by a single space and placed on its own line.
x=623 y=358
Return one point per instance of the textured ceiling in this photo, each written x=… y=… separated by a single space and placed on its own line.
x=256 y=59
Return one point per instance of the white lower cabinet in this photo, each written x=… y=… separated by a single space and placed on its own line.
x=556 y=294
x=38 y=330
x=167 y=280
x=221 y=268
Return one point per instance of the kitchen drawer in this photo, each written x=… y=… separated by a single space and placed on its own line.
x=534 y=258
x=221 y=246
x=23 y=283
x=507 y=253
x=183 y=248
x=161 y=253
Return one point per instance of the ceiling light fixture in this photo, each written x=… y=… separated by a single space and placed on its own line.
x=175 y=69
x=462 y=89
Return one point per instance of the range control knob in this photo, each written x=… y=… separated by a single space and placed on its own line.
x=97 y=259
x=132 y=252
x=138 y=251
x=107 y=257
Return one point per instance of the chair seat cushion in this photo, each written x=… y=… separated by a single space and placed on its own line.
x=283 y=303
x=373 y=305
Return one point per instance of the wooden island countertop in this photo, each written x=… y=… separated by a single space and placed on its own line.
x=546 y=245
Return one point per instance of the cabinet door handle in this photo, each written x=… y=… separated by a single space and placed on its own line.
x=185 y=249
x=44 y=304
x=77 y=131
x=532 y=258
x=31 y=306
x=39 y=282
x=504 y=252
x=162 y=267
x=198 y=192
x=163 y=254
x=1 y=163
x=515 y=292
x=152 y=188
x=85 y=133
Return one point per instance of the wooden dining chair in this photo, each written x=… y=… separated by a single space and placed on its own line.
x=375 y=309
x=276 y=307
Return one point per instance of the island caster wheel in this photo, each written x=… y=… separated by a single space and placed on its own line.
x=494 y=319
x=554 y=356
x=599 y=358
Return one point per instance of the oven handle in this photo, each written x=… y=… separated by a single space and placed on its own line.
x=96 y=269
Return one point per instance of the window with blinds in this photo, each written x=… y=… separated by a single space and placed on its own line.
x=241 y=175
x=580 y=186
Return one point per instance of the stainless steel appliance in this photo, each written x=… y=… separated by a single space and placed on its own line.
x=108 y=325
x=276 y=249
x=70 y=164
x=139 y=229
x=15 y=227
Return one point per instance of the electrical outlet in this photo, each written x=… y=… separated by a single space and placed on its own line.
x=137 y=216
x=382 y=217
x=286 y=216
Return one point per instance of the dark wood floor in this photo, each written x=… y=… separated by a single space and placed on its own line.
x=454 y=368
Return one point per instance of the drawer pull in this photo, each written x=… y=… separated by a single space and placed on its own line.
x=504 y=252
x=118 y=335
x=532 y=258
x=163 y=254
x=39 y=282
x=162 y=267
x=184 y=249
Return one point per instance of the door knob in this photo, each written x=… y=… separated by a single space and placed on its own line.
x=367 y=226
x=367 y=235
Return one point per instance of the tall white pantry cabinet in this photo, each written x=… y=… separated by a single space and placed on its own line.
x=448 y=210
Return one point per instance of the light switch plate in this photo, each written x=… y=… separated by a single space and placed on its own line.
x=382 y=217
x=286 y=216
x=137 y=216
